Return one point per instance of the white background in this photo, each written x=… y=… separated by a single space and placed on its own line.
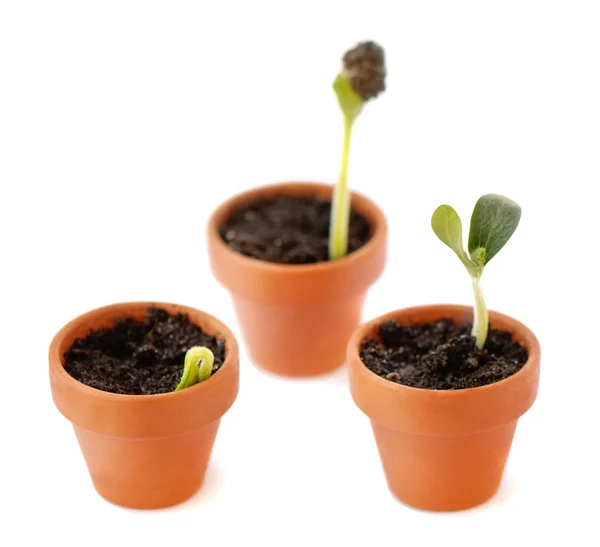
x=122 y=124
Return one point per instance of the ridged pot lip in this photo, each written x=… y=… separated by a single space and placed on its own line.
x=110 y=313
x=525 y=336
x=363 y=204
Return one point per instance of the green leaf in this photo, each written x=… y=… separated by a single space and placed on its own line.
x=447 y=226
x=494 y=220
x=350 y=102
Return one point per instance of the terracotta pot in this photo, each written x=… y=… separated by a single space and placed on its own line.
x=282 y=308
x=444 y=450
x=144 y=451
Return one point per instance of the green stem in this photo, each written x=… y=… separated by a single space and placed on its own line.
x=481 y=320
x=340 y=207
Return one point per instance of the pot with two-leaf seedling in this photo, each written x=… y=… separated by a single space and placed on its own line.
x=445 y=385
x=145 y=386
x=298 y=258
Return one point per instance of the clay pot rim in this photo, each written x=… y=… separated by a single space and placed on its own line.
x=377 y=221
x=116 y=310
x=529 y=341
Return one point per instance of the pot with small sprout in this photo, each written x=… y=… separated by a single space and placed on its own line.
x=145 y=386
x=445 y=385
x=299 y=257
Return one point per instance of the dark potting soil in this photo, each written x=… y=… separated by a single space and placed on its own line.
x=289 y=230
x=441 y=355
x=139 y=358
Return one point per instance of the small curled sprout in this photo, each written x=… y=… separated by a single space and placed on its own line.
x=361 y=79
x=197 y=367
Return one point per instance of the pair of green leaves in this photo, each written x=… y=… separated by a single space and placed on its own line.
x=494 y=220
x=197 y=367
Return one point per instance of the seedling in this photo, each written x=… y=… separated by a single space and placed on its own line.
x=362 y=78
x=197 y=367
x=494 y=220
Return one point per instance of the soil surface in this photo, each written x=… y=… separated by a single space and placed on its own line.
x=289 y=230
x=441 y=355
x=139 y=358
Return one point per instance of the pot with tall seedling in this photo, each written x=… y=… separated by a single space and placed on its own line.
x=445 y=385
x=299 y=257
x=145 y=386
